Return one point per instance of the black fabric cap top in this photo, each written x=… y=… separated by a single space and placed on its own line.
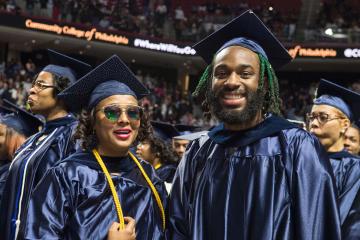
x=351 y=98
x=80 y=68
x=248 y=26
x=165 y=131
x=78 y=95
x=186 y=129
x=21 y=120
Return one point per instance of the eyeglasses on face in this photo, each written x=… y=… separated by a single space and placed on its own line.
x=113 y=112
x=39 y=85
x=321 y=117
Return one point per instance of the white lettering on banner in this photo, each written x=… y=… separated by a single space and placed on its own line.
x=352 y=53
x=164 y=47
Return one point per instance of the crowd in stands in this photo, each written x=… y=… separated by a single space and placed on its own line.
x=166 y=103
x=155 y=18
x=342 y=17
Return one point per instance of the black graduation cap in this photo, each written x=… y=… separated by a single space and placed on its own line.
x=351 y=98
x=163 y=130
x=5 y=110
x=20 y=120
x=63 y=65
x=109 y=78
x=248 y=26
x=186 y=129
x=191 y=136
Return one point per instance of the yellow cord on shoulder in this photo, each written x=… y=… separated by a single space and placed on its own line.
x=112 y=188
x=153 y=189
x=114 y=193
x=157 y=166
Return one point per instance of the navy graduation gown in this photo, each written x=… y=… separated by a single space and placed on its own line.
x=346 y=169
x=273 y=181
x=74 y=201
x=4 y=171
x=166 y=172
x=31 y=161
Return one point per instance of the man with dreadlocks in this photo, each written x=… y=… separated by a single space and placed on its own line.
x=254 y=176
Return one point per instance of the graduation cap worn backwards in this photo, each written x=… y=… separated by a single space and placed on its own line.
x=165 y=131
x=112 y=77
x=65 y=66
x=345 y=100
x=19 y=119
x=248 y=31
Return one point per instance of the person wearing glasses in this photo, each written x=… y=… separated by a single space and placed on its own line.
x=331 y=115
x=16 y=125
x=82 y=196
x=41 y=151
x=352 y=139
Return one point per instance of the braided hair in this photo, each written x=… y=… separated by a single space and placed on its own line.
x=271 y=100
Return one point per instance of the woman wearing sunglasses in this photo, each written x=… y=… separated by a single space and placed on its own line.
x=331 y=115
x=44 y=149
x=85 y=194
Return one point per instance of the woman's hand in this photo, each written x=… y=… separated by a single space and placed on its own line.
x=128 y=233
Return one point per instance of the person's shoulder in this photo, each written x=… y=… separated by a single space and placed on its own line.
x=296 y=136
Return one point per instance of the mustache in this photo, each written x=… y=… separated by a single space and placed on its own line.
x=223 y=91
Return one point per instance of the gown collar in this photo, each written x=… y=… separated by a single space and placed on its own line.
x=340 y=155
x=271 y=125
x=50 y=125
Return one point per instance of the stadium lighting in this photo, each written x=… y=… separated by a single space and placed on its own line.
x=329 y=32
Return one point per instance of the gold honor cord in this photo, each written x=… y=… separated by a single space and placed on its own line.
x=157 y=166
x=114 y=193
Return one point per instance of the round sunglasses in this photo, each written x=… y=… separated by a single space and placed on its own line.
x=113 y=112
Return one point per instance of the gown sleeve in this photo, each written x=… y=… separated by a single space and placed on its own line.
x=314 y=193
x=179 y=199
x=49 y=206
x=351 y=226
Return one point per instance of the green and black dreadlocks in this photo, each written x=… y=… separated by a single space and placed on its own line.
x=271 y=99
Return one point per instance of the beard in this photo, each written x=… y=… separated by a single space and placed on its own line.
x=254 y=103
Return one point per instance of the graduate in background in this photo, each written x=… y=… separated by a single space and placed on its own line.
x=40 y=152
x=16 y=125
x=334 y=109
x=159 y=154
x=254 y=176
x=352 y=139
x=179 y=144
x=163 y=134
x=83 y=195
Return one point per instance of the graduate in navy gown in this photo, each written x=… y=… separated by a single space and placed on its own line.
x=334 y=109
x=166 y=165
x=16 y=125
x=40 y=152
x=352 y=139
x=255 y=175
x=179 y=144
x=159 y=154
x=82 y=196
